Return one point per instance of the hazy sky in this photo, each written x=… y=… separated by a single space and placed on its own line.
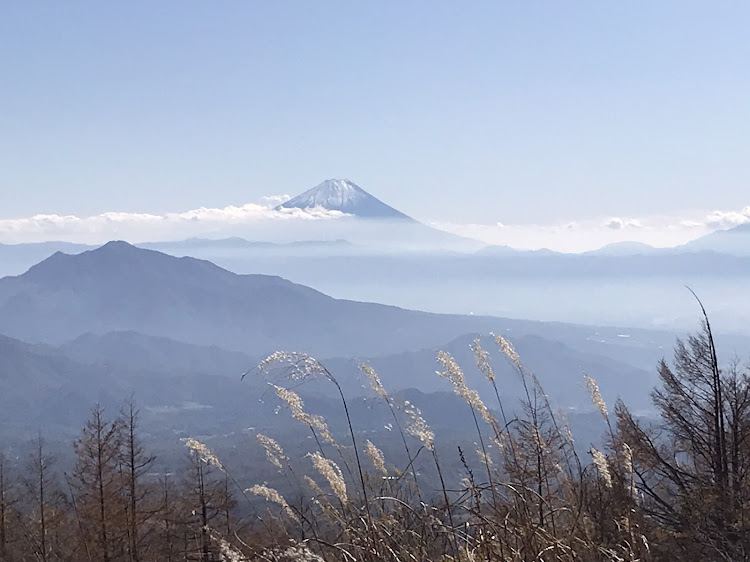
x=469 y=113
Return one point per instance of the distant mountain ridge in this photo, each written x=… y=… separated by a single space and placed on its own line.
x=734 y=241
x=120 y=288
x=346 y=196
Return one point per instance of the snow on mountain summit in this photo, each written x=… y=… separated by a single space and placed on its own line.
x=345 y=196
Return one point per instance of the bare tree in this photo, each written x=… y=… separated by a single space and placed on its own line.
x=6 y=505
x=99 y=486
x=692 y=466
x=136 y=463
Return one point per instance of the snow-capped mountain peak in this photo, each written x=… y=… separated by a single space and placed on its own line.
x=345 y=196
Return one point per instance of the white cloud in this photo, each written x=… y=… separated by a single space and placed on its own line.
x=721 y=220
x=616 y=223
x=141 y=227
x=274 y=200
x=261 y=221
x=582 y=235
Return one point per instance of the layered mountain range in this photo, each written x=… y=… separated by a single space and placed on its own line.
x=377 y=253
x=178 y=332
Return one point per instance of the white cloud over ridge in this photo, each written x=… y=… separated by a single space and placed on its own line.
x=262 y=221
x=578 y=236
x=143 y=227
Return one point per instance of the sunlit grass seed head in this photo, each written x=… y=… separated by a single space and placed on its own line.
x=418 y=426
x=272 y=495
x=602 y=465
x=295 y=405
x=332 y=473
x=376 y=456
x=274 y=452
x=508 y=350
x=596 y=397
x=203 y=453
x=483 y=360
x=374 y=379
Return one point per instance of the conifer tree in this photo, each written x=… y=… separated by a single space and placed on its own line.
x=136 y=462
x=99 y=488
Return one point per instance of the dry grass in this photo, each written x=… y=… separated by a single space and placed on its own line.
x=536 y=500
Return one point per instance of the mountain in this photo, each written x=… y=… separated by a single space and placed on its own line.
x=735 y=241
x=559 y=368
x=16 y=258
x=132 y=351
x=212 y=249
x=503 y=251
x=119 y=288
x=178 y=387
x=626 y=249
x=35 y=381
x=347 y=197
x=44 y=389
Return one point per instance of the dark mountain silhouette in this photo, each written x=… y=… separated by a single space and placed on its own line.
x=119 y=287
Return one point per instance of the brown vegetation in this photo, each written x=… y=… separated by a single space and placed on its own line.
x=674 y=489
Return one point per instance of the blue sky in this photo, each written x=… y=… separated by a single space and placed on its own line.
x=460 y=113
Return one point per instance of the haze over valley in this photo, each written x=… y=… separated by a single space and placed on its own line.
x=366 y=250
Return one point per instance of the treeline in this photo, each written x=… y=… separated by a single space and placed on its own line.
x=674 y=487
x=110 y=507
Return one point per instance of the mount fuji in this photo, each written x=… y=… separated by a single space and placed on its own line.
x=345 y=196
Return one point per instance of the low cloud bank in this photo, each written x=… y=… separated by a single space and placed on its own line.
x=142 y=227
x=584 y=235
x=263 y=221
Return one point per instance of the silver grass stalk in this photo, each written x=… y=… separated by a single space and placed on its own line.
x=295 y=405
x=301 y=366
x=298 y=553
x=272 y=495
x=227 y=551
x=508 y=350
x=374 y=379
x=332 y=473
x=275 y=357
x=565 y=428
x=627 y=453
x=418 y=426
x=485 y=459
x=376 y=456
x=203 y=453
x=600 y=461
x=314 y=486
x=274 y=452
x=455 y=376
x=483 y=360
x=596 y=397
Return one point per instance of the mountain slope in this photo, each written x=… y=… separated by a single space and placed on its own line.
x=735 y=241
x=17 y=258
x=347 y=197
x=35 y=381
x=559 y=367
x=178 y=386
x=119 y=288
x=137 y=352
